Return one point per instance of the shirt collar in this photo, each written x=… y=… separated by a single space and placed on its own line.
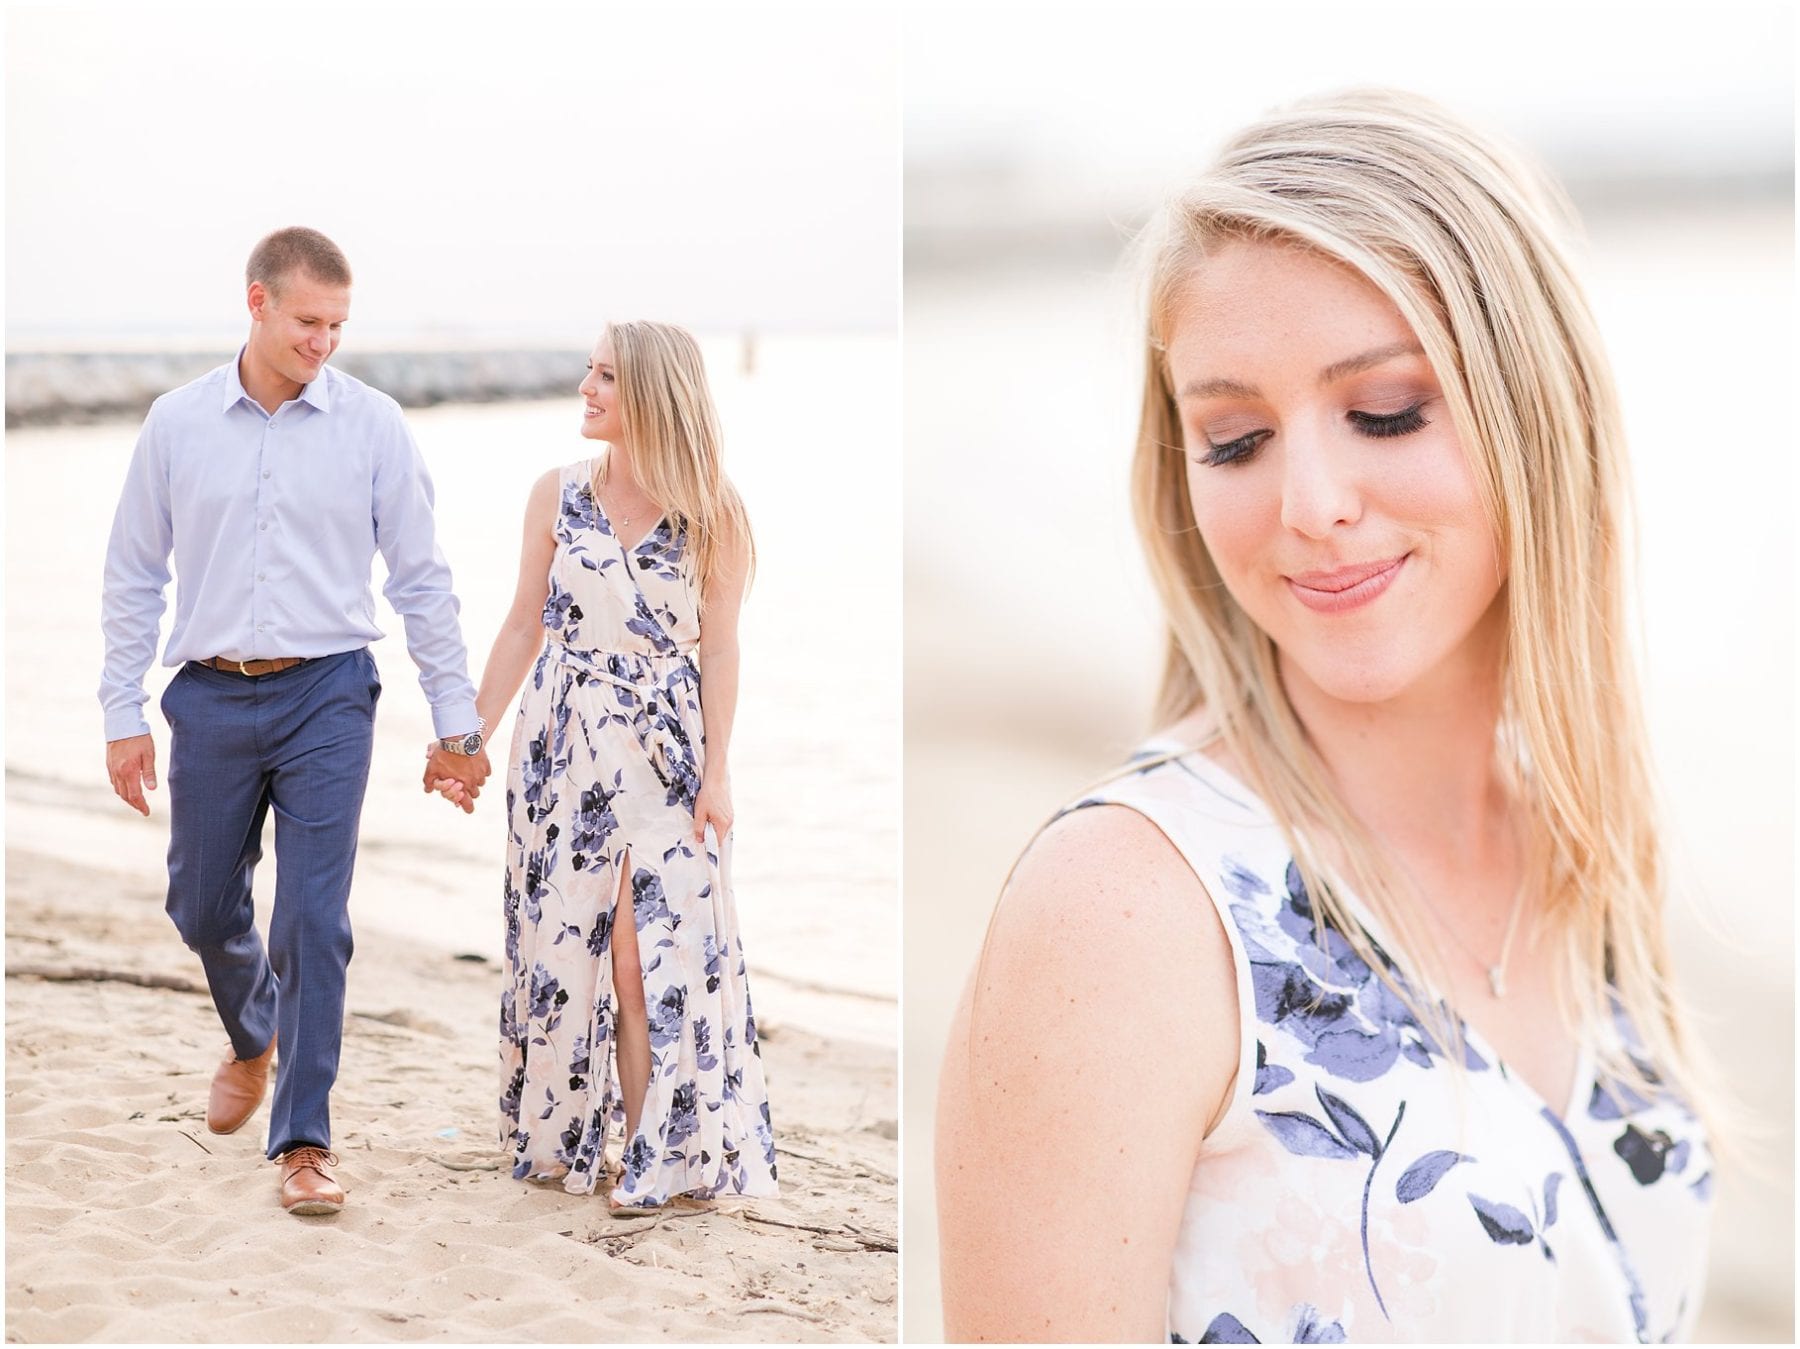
x=315 y=393
x=318 y=393
x=234 y=384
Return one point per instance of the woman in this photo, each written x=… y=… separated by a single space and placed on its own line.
x=628 y=1001
x=1343 y=1010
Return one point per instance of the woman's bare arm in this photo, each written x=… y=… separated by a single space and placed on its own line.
x=1094 y=1048
x=719 y=681
x=521 y=634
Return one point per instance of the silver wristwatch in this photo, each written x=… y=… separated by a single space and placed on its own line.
x=465 y=744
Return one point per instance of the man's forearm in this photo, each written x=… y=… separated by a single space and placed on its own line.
x=419 y=584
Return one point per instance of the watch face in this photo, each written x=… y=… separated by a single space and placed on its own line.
x=472 y=743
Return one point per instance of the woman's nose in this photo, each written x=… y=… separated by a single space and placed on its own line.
x=1319 y=490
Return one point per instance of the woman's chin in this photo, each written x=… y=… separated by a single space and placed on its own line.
x=1348 y=679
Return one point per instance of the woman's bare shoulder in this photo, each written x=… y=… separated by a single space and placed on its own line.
x=1101 y=849
x=543 y=501
x=1106 y=984
x=1107 y=879
x=1103 y=919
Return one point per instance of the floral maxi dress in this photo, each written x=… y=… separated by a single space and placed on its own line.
x=605 y=763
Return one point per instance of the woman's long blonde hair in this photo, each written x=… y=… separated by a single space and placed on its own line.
x=672 y=430
x=1467 y=240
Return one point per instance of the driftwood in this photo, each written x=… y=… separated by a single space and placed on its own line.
x=868 y=1241
x=781 y=1310
x=849 y=1168
x=90 y=974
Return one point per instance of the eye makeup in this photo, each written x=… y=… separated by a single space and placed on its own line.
x=1381 y=425
x=1372 y=425
x=1232 y=451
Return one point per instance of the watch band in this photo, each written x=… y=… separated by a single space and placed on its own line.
x=466 y=744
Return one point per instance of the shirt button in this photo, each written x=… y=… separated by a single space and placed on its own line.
x=271 y=423
x=261 y=626
x=263 y=525
x=265 y=473
x=261 y=576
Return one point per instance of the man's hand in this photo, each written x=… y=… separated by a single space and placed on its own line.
x=470 y=770
x=131 y=764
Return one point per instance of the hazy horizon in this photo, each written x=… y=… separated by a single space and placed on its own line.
x=543 y=173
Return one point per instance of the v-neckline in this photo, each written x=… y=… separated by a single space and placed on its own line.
x=600 y=510
x=1585 y=1071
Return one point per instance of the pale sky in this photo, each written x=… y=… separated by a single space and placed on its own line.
x=524 y=168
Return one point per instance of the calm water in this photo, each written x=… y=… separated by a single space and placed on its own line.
x=811 y=440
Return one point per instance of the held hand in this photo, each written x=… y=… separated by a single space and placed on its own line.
x=131 y=765
x=713 y=804
x=468 y=770
x=452 y=791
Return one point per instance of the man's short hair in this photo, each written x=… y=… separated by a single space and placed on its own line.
x=296 y=248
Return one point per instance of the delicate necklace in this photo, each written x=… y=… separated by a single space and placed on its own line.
x=600 y=481
x=1496 y=972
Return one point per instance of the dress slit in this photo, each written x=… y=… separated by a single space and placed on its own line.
x=623 y=909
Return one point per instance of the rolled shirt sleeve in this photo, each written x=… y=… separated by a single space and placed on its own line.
x=418 y=585
x=136 y=579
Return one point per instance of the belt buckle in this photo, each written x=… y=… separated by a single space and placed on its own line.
x=244 y=670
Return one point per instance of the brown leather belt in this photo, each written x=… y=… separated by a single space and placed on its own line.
x=254 y=667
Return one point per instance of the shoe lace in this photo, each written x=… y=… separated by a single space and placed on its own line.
x=316 y=1157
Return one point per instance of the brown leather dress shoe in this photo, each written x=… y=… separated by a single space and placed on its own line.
x=306 y=1186
x=237 y=1089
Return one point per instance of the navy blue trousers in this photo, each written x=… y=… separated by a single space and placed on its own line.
x=298 y=742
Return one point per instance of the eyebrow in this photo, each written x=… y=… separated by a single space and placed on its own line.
x=1331 y=374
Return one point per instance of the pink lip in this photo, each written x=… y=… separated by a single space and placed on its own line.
x=1336 y=592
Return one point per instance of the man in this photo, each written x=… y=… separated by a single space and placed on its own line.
x=273 y=480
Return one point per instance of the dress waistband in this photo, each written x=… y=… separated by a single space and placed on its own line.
x=628 y=669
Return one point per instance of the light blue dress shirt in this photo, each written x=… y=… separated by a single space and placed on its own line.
x=274 y=522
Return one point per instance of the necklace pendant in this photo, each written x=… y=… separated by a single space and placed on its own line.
x=1497 y=980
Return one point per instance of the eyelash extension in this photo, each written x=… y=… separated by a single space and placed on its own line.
x=1396 y=424
x=1233 y=451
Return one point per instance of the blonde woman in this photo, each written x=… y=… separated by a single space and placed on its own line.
x=627 y=1002
x=1342 y=1012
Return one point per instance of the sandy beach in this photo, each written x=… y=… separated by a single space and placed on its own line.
x=127 y=1220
